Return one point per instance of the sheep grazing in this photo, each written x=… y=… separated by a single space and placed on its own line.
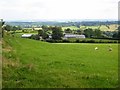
x=110 y=49
x=96 y=48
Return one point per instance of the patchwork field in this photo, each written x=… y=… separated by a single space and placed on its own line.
x=35 y=64
x=111 y=27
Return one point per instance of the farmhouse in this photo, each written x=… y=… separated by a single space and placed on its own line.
x=74 y=36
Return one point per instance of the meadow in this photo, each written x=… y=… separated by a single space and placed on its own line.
x=35 y=64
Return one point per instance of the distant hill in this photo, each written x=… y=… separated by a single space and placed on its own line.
x=55 y=23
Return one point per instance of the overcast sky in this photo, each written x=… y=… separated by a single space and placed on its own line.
x=58 y=9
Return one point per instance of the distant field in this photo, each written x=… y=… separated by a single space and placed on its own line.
x=112 y=27
x=35 y=64
x=71 y=27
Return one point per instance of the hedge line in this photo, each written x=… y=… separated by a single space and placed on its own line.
x=82 y=41
x=36 y=37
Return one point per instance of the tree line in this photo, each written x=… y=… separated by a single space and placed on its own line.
x=57 y=33
x=12 y=28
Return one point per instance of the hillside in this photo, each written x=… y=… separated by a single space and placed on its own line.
x=35 y=64
x=64 y=23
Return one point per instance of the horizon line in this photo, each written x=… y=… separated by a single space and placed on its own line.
x=60 y=20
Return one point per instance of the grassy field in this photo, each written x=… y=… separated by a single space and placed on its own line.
x=35 y=64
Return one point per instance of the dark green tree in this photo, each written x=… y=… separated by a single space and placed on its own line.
x=97 y=33
x=119 y=32
x=14 y=28
x=57 y=33
x=115 y=35
x=68 y=30
x=1 y=28
x=118 y=28
x=79 y=31
x=45 y=28
x=43 y=34
x=7 y=27
x=89 y=32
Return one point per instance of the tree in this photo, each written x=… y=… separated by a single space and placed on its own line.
x=119 y=32
x=68 y=30
x=78 y=25
x=79 y=31
x=57 y=33
x=45 y=28
x=14 y=28
x=7 y=27
x=115 y=35
x=89 y=32
x=97 y=33
x=119 y=28
x=109 y=34
x=19 y=27
x=43 y=34
x=1 y=28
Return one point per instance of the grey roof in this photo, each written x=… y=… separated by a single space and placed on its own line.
x=74 y=36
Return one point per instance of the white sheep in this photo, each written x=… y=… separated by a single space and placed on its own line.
x=110 y=49
x=96 y=48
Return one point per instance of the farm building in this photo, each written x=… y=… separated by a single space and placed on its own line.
x=26 y=35
x=74 y=36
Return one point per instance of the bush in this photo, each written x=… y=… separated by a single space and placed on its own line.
x=36 y=37
x=91 y=41
x=50 y=40
x=65 y=41
x=77 y=41
x=83 y=41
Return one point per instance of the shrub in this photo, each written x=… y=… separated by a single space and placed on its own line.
x=91 y=41
x=83 y=41
x=77 y=41
x=36 y=37
x=65 y=41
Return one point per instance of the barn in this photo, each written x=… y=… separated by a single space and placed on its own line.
x=26 y=35
x=73 y=36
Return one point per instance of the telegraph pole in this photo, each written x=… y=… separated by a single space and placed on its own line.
x=1 y=30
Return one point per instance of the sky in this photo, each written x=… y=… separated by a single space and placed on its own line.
x=11 y=10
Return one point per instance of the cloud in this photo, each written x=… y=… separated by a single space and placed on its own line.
x=58 y=9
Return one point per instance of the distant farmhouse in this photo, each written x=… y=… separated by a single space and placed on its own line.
x=66 y=36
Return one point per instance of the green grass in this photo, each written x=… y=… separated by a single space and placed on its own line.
x=35 y=64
